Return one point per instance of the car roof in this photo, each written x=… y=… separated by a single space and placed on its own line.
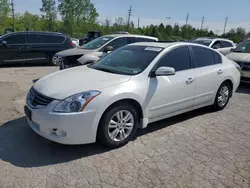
x=35 y=32
x=129 y=35
x=166 y=45
x=212 y=38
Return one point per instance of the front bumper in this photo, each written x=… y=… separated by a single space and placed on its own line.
x=64 y=128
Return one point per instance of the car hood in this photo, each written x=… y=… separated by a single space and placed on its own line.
x=73 y=52
x=240 y=57
x=62 y=84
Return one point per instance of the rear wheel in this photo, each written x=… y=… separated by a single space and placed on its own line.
x=118 y=125
x=222 y=96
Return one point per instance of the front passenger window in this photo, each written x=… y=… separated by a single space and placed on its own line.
x=117 y=43
x=15 y=39
x=179 y=59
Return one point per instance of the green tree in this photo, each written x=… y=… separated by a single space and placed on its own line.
x=76 y=14
x=49 y=11
x=4 y=10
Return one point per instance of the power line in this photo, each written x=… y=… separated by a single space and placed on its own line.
x=187 y=18
x=202 y=22
x=129 y=14
x=225 y=26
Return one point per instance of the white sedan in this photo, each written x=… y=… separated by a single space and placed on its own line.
x=129 y=88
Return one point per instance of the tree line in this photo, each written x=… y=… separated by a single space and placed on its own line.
x=77 y=17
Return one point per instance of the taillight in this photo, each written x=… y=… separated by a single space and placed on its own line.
x=72 y=44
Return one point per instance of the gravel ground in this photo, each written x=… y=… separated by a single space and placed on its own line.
x=198 y=149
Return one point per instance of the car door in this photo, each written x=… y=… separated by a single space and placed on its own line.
x=208 y=70
x=173 y=93
x=12 y=51
x=35 y=48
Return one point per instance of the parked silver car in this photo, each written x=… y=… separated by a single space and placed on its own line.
x=95 y=49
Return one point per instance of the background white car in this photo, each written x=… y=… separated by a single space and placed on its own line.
x=241 y=55
x=127 y=89
x=223 y=46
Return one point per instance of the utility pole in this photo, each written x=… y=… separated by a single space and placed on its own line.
x=225 y=26
x=187 y=18
x=13 y=14
x=129 y=15
x=202 y=22
x=138 y=22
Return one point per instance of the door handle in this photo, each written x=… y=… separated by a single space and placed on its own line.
x=21 y=48
x=28 y=47
x=189 y=80
x=220 y=71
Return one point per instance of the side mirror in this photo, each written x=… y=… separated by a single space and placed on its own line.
x=232 y=49
x=108 y=49
x=165 y=71
x=3 y=43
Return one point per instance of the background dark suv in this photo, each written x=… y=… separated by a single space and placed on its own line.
x=32 y=47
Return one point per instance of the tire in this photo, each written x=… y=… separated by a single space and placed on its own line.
x=105 y=132
x=222 y=97
x=51 y=61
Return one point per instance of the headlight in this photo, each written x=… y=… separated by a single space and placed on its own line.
x=76 y=103
x=237 y=66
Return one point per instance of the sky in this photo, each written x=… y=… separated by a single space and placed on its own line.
x=156 y=11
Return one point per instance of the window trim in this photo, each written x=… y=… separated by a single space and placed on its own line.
x=192 y=51
x=176 y=47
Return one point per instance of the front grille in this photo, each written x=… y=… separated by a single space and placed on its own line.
x=37 y=99
x=244 y=66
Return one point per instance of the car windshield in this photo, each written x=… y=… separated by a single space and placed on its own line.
x=97 y=43
x=243 y=47
x=128 y=60
x=203 y=42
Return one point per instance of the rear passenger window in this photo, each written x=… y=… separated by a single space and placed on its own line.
x=34 y=38
x=179 y=59
x=203 y=57
x=225 y=44
x=117 y=43
x=217 y=58
x=132 y=40
x=39 y=38
x=15 y=39
x=138 y=39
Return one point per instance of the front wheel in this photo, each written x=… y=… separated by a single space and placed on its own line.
x=222 y=96
x=118 y=125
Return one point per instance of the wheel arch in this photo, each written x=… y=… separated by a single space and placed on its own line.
x=132 y=101
x=230 y=82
